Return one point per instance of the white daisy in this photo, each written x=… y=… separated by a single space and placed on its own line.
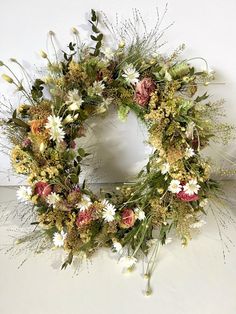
x=74 y=100
x=54 y=125
x=108 y=53
x=84 y=203
x=130 y=74
x=59 y=238
x=198 y=224
x=192 y=187
x=128 y=261
x=118 y=247
x=175 y=186
x=96 y=89
x=108 y=212
x=189 y=152
x=165 y=168
x=52 y=199
x=139 y=214
x=24 y=194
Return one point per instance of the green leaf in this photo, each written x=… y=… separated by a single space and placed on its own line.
x=74 y=178
x=201 y=98
x=94 y=16
x=81 y=152
x=100 y=37
x=98 y=45
x=21 y=123
x=95 y=29
x=68 y=261
x=93 y=37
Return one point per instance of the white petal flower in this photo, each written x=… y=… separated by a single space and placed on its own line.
x=54 y=125
x=139 y=214
x=84 y=203
x=165 y=168
x=189 y=152
x=128 y=261
x=59 y=238
x=198 y=224
x=130 y=74
x=109 y=211
x=203 y=203
x=52 y=199
x=192 y=187
x=74 y=100
x=96 y=89
x=118 y=247
x=108 y=53
x=175 y=186
x=24 y=194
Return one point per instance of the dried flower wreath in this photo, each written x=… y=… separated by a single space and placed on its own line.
x=173 y=189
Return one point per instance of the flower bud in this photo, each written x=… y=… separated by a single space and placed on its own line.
x=1 y=63
x=68 y=119
x=75 y=31
x=121 y=44
x=76 y=116
x=7 y=78
x=42 y=148
x=13 y=60
x=51 y=33
x=43 y=54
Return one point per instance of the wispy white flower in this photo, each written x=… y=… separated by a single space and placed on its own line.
x=198 y=224
x=165 y=168
x=108 y=53
x=24 y=194
x=52 y=199
x=118 y=247
x=96 y=89
x=203 y=203
x=189 y=152
x=192 y=187
x=59 y=238
x=175 y=186
x=109 y=211
x=139 y=214
x=128 y=261
x=84 y=203
x=54 y=125
x=74 y=100
x=130 y=74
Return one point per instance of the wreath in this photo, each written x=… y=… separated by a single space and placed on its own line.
x=170 y=194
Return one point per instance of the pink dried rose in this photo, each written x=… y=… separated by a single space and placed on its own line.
x=84 y=217
x=143 y=91
x=127 y=218
x=42 y=189
x=185 y=197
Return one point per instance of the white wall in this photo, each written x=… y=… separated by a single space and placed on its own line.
x=206 y=27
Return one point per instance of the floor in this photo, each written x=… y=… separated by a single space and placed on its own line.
x=192 y=280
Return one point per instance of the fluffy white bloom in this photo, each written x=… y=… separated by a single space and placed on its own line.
x=165 y=168
x=108 y=53
x=74 y=100
x=109 y=211
x=54 y=125
x=96 y=89
x=175 y=186
x=52 y=199
x=59 y=238
x=84 y=203
x=118 y=247
x=192 y=187
x=204 y=202
x=198 y=224
x=128 y=261
x=130 y=74
x=139 y=214
x=189 y=152
x=24 y=194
